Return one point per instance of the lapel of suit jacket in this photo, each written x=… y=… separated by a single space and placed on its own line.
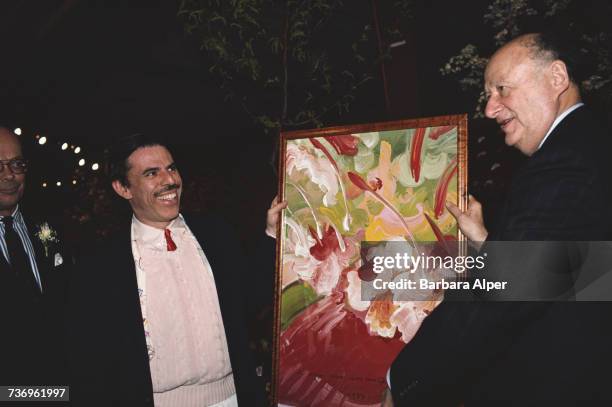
x=122 y=299
x=42 y=261
x=3 y=263
x=121 y=252
x=125 y=281
x=38 y=258
x=563 y=133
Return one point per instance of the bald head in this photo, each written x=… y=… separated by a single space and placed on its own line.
x=535 y=50
x=528 y=87
x=7 y=136
x=12 y=182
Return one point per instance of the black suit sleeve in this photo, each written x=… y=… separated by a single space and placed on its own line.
x=454 y=345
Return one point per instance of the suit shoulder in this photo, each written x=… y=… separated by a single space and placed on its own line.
x=583 y=132
x=35 y=221
x=210 y=223
x=580 y=140
x=104 y=250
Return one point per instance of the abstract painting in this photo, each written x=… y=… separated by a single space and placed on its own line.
x=381 y=182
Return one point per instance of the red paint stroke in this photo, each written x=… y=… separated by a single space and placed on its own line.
x=440 y=237
x=438 y=132
x=442 y=188
x=321 y=147
x=325 y=246
x=360 y=182
x=344 y=145
x=415 y=153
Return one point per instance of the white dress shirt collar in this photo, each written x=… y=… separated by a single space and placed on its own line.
x=558 y=120
x=151 y=236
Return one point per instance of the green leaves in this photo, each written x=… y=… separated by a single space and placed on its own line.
x=276 y=55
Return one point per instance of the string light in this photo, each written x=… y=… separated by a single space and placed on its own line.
x=17 y=131
x=42 y=140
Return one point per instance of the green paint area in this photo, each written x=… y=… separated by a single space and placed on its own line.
x=295 y=298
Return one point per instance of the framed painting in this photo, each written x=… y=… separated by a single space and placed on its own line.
x=347 y=187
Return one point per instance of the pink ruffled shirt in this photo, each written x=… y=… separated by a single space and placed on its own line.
x=189 y=358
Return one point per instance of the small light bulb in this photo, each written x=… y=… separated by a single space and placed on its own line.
x=95 y=166
x=42 y=140
x=64 y=146
x=17 y=131
x=81 y=162
x=77 y=150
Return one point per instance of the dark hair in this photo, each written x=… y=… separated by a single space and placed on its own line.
x=121 y=150
x=552 y=45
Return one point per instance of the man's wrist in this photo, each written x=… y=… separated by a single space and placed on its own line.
x=271 y=232
x=477 y=243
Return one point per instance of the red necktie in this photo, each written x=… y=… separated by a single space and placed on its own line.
x=170 y=245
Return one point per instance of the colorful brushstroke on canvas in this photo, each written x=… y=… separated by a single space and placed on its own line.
x=334 y=348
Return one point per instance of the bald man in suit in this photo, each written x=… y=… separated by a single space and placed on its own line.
x=526 y=353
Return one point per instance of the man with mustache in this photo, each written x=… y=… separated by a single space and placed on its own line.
x=526 y=353
x=158 y=312
x=31 y=282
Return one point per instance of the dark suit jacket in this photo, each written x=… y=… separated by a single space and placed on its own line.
x=31 y=346
x=526 y=353
x=109 y=361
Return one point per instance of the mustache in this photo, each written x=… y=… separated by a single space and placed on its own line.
x=167 y=188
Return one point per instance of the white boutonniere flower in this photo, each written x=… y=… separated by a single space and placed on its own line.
x=46 y=235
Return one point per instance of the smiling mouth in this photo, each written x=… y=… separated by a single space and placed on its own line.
x=9 y=191
x=167 y=196
x=504 y=123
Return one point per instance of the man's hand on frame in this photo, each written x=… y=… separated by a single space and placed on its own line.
x=470 y=222
x=273 y=216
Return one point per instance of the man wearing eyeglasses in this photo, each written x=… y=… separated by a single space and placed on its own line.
x=30 y=281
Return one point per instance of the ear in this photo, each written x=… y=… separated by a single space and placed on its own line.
x=121 y=189
x=559 y=76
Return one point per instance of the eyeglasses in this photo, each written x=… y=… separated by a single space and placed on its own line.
x=17 y=166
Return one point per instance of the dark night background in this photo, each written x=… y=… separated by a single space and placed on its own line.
x=87 y=72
